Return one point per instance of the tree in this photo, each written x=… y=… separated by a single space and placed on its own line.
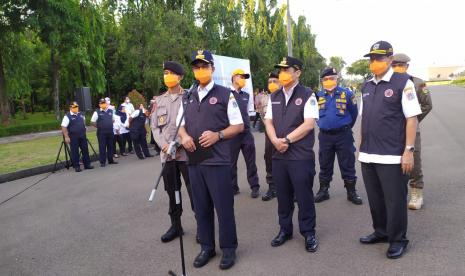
x=337 y=63
x=360 y=67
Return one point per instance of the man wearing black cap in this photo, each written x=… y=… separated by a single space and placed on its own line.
x=337 y=115
x=244 y=141
x=164 y=130
x=212 y=117
x=103 y=119
x=389 y=107
x=73 y=127
x=273 y=86
x=400 y=64
x=290 y=120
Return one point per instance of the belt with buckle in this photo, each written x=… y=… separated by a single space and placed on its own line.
x=335 y=130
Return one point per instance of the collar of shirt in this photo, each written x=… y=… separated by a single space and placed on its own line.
x=72 y=113
x=386 y=77
x=203 y=91
x=288 y=94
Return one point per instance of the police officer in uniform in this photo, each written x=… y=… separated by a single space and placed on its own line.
x=73 y=127
x=137 y=122
x=243 y=142
x=290 y=120
x=338 y=113
x=163 y=124
x=273 y=86
x=103 y=119
x=388 y=108
x=400 y=64
x=212 y=118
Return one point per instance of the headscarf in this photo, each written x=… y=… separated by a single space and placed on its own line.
x=121 y=114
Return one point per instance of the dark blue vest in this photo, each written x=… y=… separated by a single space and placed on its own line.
x=77 y=125
x=105 y=121
x=242 y=100
x=286 y=118
x=138 y=124
x=383 y=121
x=209 y=114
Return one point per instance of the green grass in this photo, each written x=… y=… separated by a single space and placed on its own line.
x=32 y=119
x=459 y=82
x=28 y=154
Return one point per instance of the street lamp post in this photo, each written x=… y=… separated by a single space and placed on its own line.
x=289 y=32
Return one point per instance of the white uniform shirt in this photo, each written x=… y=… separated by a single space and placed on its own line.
x=234 y=113
x=95 y=116
x=128 y=108
x=310 y=107
x=65 y=121
x=410 y=108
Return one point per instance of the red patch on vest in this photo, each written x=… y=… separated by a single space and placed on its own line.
x=388 y=93
x=298 y=101
x=213 y=100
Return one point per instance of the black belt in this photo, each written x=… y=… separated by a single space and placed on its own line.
x=335 y=130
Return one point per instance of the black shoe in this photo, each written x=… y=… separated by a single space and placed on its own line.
x=311 y=243
x=171 y=234
x=141 y=157
x=90 y=167
x=204 y=257
x=269 y=195
x=353 y=197
x=228 y=260
x=102 y=165
x=280 y=239
x=150 y=155
x=396 y=249
x=255 y=193
x=124 y=154
x=372 y=239
x=112 y=162
x=78 y=169
x=323 y=193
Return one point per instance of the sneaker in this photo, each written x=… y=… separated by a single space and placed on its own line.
x=416 y=199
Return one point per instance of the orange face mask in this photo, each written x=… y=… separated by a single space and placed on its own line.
x=273 y=87
x=75 y=109
x=285 y=78
x=171 y=80
x=241 y=83
x=203 y=75
x=378 y=67
x=399 y=69
x=103 y=106
x=329 y=84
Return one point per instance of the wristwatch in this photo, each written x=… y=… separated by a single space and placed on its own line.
x=410 y=148
x=287 y=140
x=220 y=135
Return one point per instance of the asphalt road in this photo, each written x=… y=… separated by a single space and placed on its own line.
x=99 y=222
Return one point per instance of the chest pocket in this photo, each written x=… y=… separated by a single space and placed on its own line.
x=322 y=106
x=162 y=116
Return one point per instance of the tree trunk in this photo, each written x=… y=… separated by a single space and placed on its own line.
x=4 y=105
x=55 y=84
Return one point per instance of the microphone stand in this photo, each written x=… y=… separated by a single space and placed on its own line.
x=177 y=187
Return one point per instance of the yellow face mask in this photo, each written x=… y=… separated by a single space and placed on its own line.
x=378 y=67
x=171 y=80
x=241 y=83
x=285 y=78
x=75 y=109
x=203 y=75
x=399 y=69
x=329 y=84
x=273 y=87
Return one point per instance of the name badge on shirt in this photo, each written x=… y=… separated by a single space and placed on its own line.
x=275 y=102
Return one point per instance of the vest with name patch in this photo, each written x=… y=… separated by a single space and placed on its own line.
x=77 y=125
x=138 y=124
x=383 y=120
x=105 y=121
x=286 y=118
x=209 y=114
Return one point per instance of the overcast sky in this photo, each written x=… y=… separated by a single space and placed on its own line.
x=431 y=32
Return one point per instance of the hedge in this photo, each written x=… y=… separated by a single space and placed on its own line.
x=28 y=128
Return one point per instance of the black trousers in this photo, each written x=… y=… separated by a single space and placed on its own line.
x=172 y=178
x=77 y=143
x=105 y=147
x=139 y=139
x=127 y=139
x=118 y=138
x=244 y=142
x=268 y=162
x=386 y=188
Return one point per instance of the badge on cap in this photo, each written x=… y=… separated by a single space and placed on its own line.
x=388 y=93
x=213 y=100
x=298 y=101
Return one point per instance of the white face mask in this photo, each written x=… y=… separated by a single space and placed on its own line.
x=128 y=101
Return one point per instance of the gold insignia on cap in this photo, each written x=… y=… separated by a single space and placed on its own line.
x=200 y=55
x=284 y=61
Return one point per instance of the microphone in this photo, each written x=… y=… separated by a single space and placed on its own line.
x=194 y=87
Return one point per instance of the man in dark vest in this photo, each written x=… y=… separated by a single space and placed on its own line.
x=389 y=107
x=137 y=122
x=289 y=121
x=212 y=118
x=244 y=141
x=400 y=64
x=73 y=127
x=338 y=114
x=103 y=119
